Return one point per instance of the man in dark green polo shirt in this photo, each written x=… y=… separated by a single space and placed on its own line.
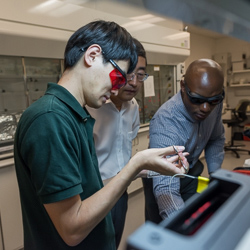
x=64 y=203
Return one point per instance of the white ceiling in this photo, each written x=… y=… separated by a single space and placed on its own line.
x=228 y=12
x=136 y=10
x=65 y=14
x=132 y=11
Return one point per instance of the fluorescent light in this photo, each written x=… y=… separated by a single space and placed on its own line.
x=46 y=6
x=131 y=24
x=148 y=18
x=136 y=25
x=64 y=10
x=76 y=2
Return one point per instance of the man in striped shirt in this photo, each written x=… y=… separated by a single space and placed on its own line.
x=191 y=118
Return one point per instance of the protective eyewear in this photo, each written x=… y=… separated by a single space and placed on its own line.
x=198 y=99
x=117 y=76
x=139 y=76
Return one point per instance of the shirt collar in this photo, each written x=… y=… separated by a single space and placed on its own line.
x=124 y=104
x=66 y=97
x=182 y=108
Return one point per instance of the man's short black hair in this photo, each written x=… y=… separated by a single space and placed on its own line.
x=115 y=41
x=140 y=49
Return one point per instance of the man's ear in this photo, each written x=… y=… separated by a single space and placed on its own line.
x=182 y=83
x=92 y=53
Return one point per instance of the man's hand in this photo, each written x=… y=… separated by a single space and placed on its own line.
x=161 y=160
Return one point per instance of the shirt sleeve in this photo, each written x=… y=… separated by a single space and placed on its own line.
x=214 y=151
x=166 y=191
x=164 y=132
x=51 y=154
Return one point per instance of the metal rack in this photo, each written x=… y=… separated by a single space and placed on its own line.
x=23 y=80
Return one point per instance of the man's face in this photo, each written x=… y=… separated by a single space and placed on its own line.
x=101 y=85
x=133 y=85
x=195 y=92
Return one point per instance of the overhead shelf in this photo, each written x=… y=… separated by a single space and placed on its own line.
x=241 y=71
x=239 y=85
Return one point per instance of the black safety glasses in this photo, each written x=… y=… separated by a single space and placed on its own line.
x=198 y=99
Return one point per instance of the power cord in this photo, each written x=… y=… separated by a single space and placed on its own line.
x=202 y=184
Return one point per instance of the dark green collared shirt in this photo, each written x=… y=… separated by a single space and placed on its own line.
x=55 y=159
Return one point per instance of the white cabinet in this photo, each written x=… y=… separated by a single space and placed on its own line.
x=10 y=209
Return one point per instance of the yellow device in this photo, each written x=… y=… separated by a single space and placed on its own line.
x=202 y=183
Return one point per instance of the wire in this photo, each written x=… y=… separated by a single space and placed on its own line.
x=202 y=183
x=180 y=175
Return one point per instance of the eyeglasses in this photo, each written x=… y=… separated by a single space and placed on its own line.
x=117 y=76
x=139 y=76
x=198 y=99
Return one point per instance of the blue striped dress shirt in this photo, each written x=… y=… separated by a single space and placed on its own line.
x=172 y=125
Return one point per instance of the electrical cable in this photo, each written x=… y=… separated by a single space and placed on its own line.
x=202 y=184
x=179 y=175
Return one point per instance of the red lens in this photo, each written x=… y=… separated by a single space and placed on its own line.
x=117 y=79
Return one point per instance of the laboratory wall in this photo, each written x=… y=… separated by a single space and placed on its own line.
x=235 y=49
x=200 y=47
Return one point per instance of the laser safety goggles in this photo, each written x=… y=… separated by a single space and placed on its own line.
x=198 y=99
x=117 y=76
